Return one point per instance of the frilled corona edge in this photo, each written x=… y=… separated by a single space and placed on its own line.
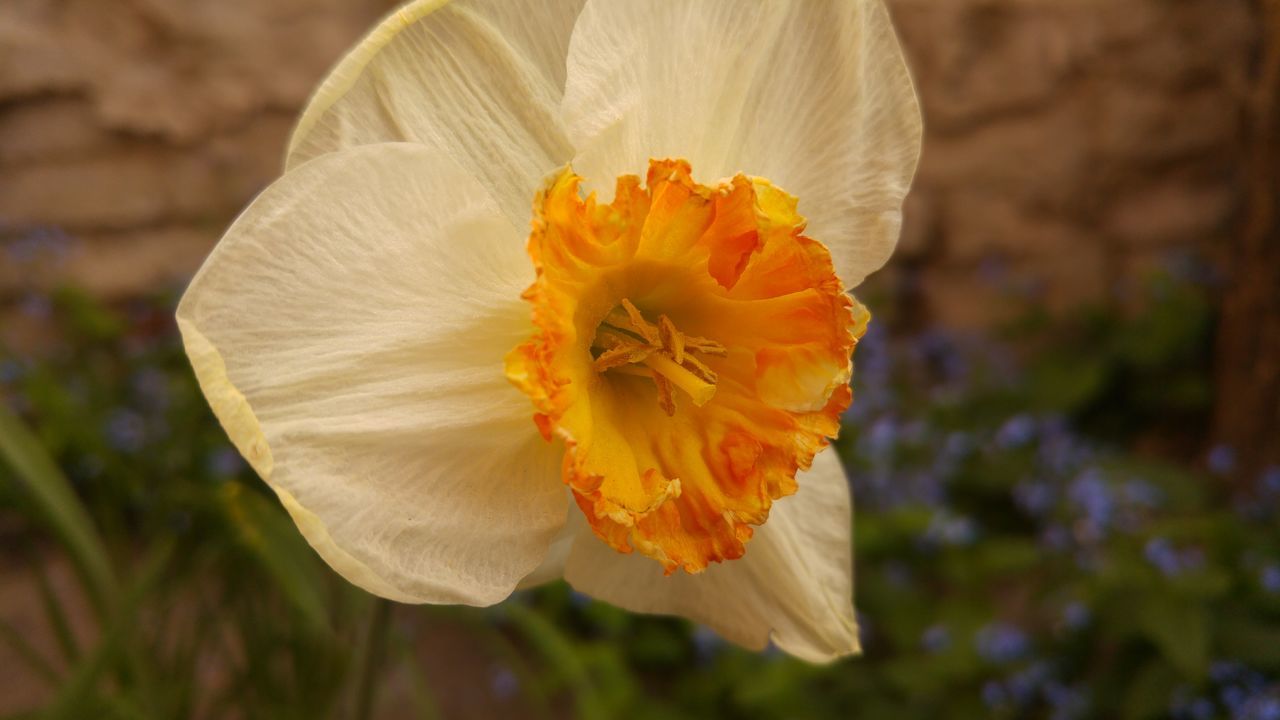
x=693 y=351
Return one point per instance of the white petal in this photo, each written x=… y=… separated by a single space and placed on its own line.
x=794 y=585
x=349 y=332
x=478 y=79
x=815 y=96
x=552 y=567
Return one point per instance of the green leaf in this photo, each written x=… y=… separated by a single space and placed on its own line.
x=272 y=537
x=60 y=508
x=77 y=693
x=1180 y=629
x=558 y=651
x=56 y=615
x=28 y=654
x=1148 y=693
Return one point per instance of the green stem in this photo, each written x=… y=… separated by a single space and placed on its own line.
x=368 y=661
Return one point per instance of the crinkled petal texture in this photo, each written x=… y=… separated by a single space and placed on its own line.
x=678 y=452
x=794 y=586
x=814 y=96
x=478 y=80
x=349 y=333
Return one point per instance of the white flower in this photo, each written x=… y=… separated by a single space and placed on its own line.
x=689 y=349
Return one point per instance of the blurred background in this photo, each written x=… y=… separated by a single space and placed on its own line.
x=1065 y=443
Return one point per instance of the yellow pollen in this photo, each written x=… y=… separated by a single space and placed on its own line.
x=627 y=339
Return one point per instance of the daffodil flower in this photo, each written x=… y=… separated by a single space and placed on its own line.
x=464 y=370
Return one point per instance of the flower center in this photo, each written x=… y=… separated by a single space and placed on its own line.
x=711 y=299
x=625 y=340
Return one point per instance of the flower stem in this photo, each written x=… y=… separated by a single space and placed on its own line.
x=369 y=658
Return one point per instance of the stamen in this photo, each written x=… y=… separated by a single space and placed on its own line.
x=700 y=390
x=672 y=340
x=626 y=339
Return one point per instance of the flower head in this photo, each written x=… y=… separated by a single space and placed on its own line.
x=463 y=372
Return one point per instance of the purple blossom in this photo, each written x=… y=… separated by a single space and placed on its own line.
x=936 y=639
x=1035 y=497
x=1161 y=553
x=1000 y=642
x=151 y=386
x=126 y=430
x=1198 y=709
x=1090 y=494
x=1024 y=684
x=706 y=643
x=225 y=462
x=10 y=371
x=1016 y=432
x=882 y=437
x=948 y=529
x=503 y=682
x=1055 y=537
x=1221 y=460
x=36 y=307
x=1067 y=702
x=1142 y=493
x=1269 y=579
x=1171 y=561
x=1076 y=615
x=1269 y=482
x=994 y=695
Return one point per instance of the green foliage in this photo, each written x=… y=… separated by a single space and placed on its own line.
x=1009 y=565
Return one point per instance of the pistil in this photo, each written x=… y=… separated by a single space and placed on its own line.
x=626 y=341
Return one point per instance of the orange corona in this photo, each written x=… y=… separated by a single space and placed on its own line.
x=693 y=350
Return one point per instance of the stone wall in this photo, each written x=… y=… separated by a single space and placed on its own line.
x=1072 y=146
x=1071 y=143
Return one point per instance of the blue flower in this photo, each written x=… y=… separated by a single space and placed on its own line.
x=1221 y=460
x=503 y=682
x=1223 y=671
x=151 y=387
x=936 y=639
x=10 y=371
x=1076 y=616
x=1067 y=702
x=948 y=529
x=994 y=695
x=1090 y=494
x=1024 y=684
x=1270 y=480
x=1016 y=432
x=36 y=307
x=1161 y=553
x=1198 y=709
x=1262 y=708
x=1142 y=494
x=1269 y=578
x=1036 y=497
x=225 y=462
x=126 y=430
x=882 y=437
x=1055 y=537
x=707 y=644
x=1000 y=642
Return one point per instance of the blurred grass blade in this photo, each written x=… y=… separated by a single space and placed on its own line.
x=76 y=695
x=423 y=698
x=270 y=533
x=557 y=650
x=28 y=654
x=56 y=615
x=62 y=510
x=369 y=659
